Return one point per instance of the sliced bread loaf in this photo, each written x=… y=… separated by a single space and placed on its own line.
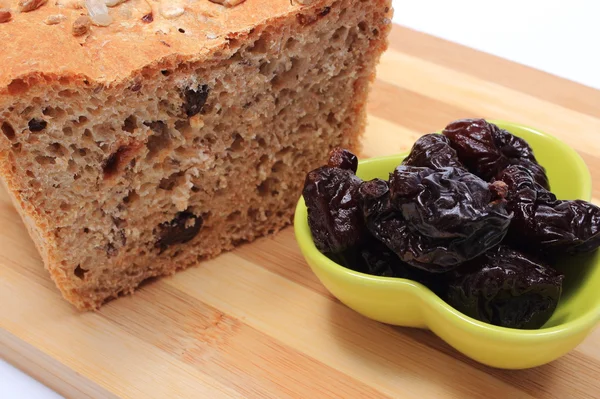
x=138 y=142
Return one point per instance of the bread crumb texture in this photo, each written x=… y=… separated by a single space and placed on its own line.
x=143 y=146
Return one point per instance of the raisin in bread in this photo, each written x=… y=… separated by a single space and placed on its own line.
x=138 y=142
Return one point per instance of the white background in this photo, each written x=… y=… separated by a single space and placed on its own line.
x=557 y=36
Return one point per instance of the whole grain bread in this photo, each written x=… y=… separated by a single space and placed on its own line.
x=177 y=130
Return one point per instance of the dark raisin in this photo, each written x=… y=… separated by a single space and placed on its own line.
x=334 y=215
x=37 y=125
x=323 y=11
x=343 y=159
x=183 y=228
x=80 y=272
x=487 y=150
x=433 y=151
x=506 y=288
x=434 y=220
x=194 y=100
x=148 y=18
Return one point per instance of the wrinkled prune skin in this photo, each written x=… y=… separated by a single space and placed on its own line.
x=183 y=228
x=374 y=258
x=334 y=214
x=381 y=261
x=343 y=159
x=487 y=150
x=505 y=287
x=434 y=219
x=378 y=260
x=375 y=199
x=542 y=222
x=433 y=151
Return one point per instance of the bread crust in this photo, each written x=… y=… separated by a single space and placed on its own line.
x=35 y=53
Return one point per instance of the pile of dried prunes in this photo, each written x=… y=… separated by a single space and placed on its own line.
x=469 y=214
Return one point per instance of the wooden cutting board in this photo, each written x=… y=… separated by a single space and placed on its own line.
x=256 y=322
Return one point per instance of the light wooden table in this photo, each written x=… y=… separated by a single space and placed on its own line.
x=256 y=322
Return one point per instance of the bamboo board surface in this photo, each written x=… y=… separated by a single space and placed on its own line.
x=256 y=322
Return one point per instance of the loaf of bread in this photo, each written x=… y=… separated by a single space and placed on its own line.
x=139 y=139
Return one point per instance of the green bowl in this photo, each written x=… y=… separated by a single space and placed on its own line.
x=406 y=303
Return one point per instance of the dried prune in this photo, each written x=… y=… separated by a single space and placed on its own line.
x=371 y=257
x=468 y=213
x=334 y=214
x=381 y=261
x=506 y=288
x=194 y=100
x=374 y=258
x=378 y=260
x=375 y=199
x=486 y=150
x=434 y=219
x=433 y=151
x=343 y=159
x=183 y=228
x=543 y=222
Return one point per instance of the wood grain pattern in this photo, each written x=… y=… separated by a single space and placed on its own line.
x=256 y=323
